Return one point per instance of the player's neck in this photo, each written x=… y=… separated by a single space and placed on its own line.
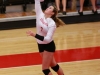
x=47 y=16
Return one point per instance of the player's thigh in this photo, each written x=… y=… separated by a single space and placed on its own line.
x=53 y=62
x=46 y=59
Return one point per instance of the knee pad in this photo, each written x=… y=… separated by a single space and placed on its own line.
x=55 y=68
x=46 y=71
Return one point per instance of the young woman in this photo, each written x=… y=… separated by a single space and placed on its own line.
x=46 y=24
x=94 y=10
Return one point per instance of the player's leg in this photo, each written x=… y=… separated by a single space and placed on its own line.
x=56 y=67
x=46 y=60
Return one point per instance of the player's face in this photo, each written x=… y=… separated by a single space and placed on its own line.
x=49 y=10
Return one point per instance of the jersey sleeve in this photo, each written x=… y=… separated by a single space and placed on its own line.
x=49 y=35
x=51 y=30
x=38 y=9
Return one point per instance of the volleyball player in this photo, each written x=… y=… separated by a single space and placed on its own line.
x=46 y=24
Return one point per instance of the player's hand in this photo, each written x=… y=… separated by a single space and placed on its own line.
x=30 y=33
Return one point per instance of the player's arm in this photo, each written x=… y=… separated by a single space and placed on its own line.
x=49 y=35
x=38 y=9
x=46 y=38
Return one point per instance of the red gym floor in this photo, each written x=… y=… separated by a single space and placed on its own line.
x=60 y=55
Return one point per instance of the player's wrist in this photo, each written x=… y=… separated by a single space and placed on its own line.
x=33 y=35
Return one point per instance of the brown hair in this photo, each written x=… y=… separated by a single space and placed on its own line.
x=58 y=21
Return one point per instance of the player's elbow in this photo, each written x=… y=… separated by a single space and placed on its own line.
x=47 y=39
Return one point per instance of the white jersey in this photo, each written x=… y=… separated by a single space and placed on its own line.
x=45 y=26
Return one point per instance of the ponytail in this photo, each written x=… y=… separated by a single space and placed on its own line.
x=58 y=21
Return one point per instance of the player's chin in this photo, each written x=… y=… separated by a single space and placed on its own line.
x=45 y=12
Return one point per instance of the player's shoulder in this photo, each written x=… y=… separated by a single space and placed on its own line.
x=50 y=19
x=51 y=22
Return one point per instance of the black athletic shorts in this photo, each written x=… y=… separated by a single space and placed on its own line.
x=50 y=47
